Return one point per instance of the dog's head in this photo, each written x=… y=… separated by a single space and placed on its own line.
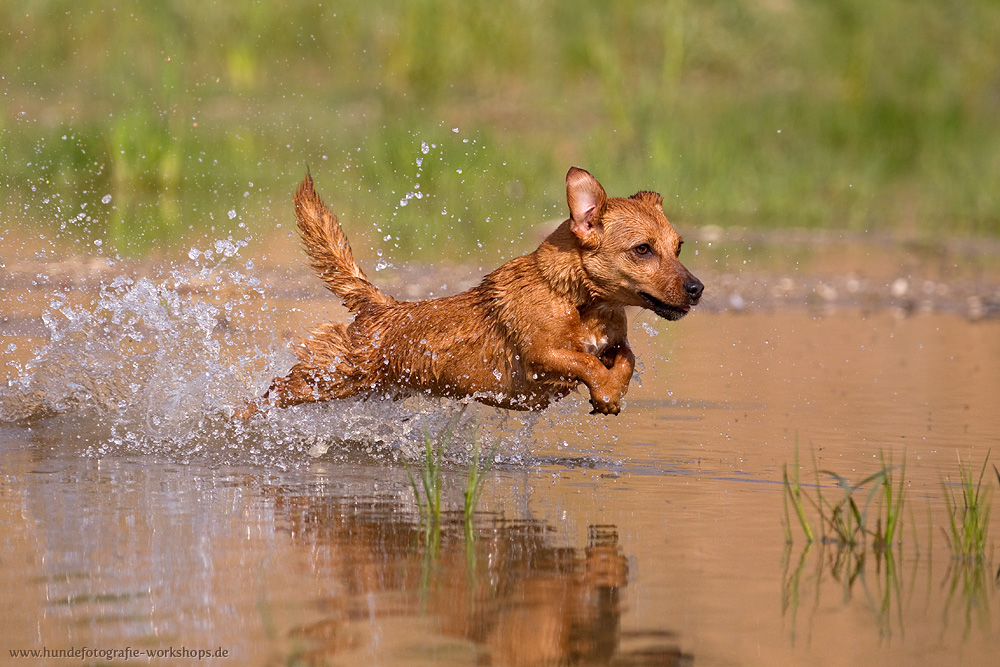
x=629 y=249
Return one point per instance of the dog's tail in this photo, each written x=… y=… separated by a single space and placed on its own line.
x=329 y=252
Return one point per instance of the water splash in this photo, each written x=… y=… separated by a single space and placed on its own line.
x=158 y=364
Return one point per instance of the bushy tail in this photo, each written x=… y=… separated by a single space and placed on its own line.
x=329 y=252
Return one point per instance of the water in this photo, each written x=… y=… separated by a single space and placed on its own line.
x=136 y=513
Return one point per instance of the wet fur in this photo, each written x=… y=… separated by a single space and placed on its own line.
x=526 y=336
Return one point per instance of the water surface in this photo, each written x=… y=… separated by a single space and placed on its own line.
x=136 y=514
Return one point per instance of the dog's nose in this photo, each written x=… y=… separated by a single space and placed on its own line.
x=694 y=288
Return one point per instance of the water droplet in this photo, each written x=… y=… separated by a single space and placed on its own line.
x=424 y=148
x=106 y=199
x=232 y=213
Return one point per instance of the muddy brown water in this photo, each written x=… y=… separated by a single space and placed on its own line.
x=135 y=517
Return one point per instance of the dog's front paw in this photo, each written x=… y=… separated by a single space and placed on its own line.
x=606 y=405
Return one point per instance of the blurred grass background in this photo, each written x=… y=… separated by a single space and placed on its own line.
x=430 y=125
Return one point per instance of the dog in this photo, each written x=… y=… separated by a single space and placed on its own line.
x=526 y=336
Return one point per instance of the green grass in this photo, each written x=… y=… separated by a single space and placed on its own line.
x=969 y=512
x=793 y=495
x=875 y=114
x=870 y=509
x=848 y=521
x=428 y=491
x=889 y=526
x=865 y=517
x=970 y=573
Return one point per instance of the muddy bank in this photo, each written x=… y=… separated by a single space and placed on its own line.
x=743 y=272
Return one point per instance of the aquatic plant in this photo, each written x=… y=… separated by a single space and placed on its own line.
x=967 y=532
x=848 y=520
x=428 y=492
x=868 y=513
x=885 y=533
x=968 y=512
x=429 y=489
x=793 y=495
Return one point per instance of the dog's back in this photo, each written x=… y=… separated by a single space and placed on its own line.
x=465 y=345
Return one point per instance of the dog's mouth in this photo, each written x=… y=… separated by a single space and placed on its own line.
x=664 y=309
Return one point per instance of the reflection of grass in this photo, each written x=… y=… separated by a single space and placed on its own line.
x=968 y=579
x=889 y=593
x=968 y=513
x=847 y=565
x=790 y=583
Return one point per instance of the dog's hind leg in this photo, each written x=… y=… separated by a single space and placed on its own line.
x=326 y=370
x=305 y=383
x=329 y=367
x=302 y=384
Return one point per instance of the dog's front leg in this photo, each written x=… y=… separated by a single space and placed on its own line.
x=624 y=365
x=620 y=372
x=606 y=385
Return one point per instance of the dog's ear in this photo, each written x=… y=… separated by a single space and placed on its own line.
x=587 y=202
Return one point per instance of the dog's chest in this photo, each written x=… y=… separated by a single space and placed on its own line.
x=600 y=329
x=595 y=344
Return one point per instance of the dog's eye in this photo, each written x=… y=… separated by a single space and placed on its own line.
x=642 y=249
x=679 y=248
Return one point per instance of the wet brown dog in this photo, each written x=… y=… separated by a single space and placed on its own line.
x=526 y=336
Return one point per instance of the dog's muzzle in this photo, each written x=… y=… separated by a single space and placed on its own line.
x=693 y=289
